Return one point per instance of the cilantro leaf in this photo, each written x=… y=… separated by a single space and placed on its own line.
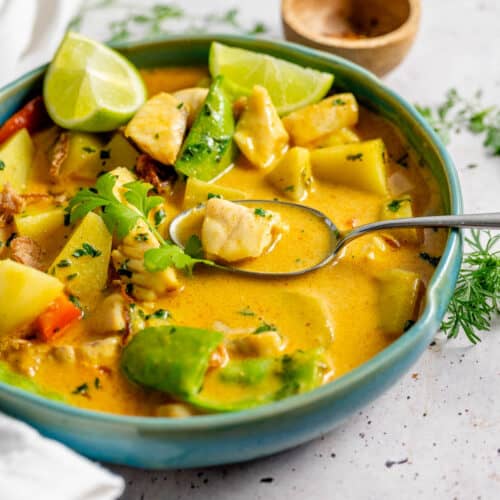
x=168 y=255
x=119 y=218
x=193 y=247
x=137 y=195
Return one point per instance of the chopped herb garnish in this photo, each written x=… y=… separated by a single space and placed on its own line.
x=472 y=165
x=2 y=165
x=88 y=149
x=97 y=383
x=64 y=263
x=87 y=249
x=212 y=195
x=159 y=216
x=123 y=270
x=157 y=135
x=159 y=314
x=265 y=327
x=179 y=106
x=141 y=237
x=71 y=277
x=339 y=102
x=246 y=312
x=75 y=301
x=402 y=161
x=433 y=261
x=260 y=212
x=82 y=389
x=12 y=236
x=355 y=157
x=104 y=154
x=395 y=205
x=290 y=188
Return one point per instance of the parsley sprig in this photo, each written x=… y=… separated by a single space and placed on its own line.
x=476 y=299
x=121 y=218
x=457 y=113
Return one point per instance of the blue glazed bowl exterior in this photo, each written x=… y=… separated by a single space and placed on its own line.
x=233 y=437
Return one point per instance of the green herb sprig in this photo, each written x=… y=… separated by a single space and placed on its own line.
x=120 y=219
x=153 y=20
x=476 y=300
x=457 y=113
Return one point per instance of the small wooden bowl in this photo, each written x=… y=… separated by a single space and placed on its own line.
x=376 y=34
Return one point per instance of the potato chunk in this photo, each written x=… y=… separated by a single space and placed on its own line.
x=260 y=135
x=359 y=165
x=199 y=192
x=399 y=300
x=83 y=156
x=193 y=100
x=24 y=294
x=292 y=175
x=118 y=152
x=400 y=209
x=343 y=136
x=16 y=157
x=318 y=120
x=158 y=127
x=82 y=265
x=232 y=232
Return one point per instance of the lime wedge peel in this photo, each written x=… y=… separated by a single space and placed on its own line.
x=91 y=87
x=290 y=86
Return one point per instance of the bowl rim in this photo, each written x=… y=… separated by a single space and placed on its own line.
x=405 y=30
x=383 y=359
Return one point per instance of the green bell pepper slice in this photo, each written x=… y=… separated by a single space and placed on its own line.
x=171 y=359
x=209 y=147
x=292 y=374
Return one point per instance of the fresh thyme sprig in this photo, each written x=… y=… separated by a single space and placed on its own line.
x=120 y=219
x=457 y=113
x=152 y=20
x=476 y=299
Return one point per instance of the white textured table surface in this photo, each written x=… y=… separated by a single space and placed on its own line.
x=442 y=420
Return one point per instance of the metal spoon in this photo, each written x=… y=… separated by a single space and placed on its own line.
x=338 y=240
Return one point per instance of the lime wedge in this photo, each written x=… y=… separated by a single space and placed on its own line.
x=289 y=85
x=90 y=87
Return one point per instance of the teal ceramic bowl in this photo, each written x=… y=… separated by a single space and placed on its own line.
x=224 y=438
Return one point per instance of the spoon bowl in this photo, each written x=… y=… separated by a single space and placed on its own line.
x=325 y=233
x=190 y=221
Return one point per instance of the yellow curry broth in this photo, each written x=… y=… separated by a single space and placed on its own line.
x=347 y=291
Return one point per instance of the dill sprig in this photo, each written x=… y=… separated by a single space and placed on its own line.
x=476 y=299
x=457 y=113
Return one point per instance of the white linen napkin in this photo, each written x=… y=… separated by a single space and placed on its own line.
x=33 y=467
x=30 y=31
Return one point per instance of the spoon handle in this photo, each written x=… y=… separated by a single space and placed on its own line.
x=486 y=221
